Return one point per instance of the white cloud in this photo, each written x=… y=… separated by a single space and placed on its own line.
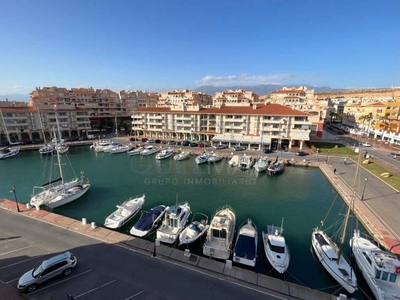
x=246 y=79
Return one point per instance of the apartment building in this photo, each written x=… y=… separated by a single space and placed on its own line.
x=303 y=99
x=185 y=97
x=251 y=125
x=27 y=123
x=235 y=98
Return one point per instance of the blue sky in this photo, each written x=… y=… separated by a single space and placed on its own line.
x=163 y=45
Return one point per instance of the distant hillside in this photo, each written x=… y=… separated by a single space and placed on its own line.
x=15 y=97
x=261 y=89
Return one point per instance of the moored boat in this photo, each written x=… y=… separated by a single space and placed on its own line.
x=135 y=151
x=234 y=161
x=149 y=150
x=120 y=148
x=197 y=228
x=275 y=248
x=245 y=162
x=261 y=164
x=276 y=167
x=174 y=221
x=8 y=152
x=245 y=252
x=218 y=243
x=380 y=268
x=165 y=153
x=126 y=211
x=202 y=158
x=46 y=149
x=181 y=156
x=214 y=157
x=148 y=221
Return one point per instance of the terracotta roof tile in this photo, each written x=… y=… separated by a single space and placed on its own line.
x=262 y=109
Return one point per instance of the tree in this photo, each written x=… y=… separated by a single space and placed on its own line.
x=385 y=123
x=366 y=118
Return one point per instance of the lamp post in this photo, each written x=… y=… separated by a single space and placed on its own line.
x=15 y=196
x=365 y=184
x=156 y=244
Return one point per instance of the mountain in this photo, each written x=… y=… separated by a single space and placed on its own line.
x=260 y=89
x=15 y=97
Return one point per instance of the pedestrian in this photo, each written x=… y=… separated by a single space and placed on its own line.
x=345 y=160
x=334 y=171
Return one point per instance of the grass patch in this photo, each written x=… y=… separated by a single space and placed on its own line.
x=377 y=170
x=331 y=148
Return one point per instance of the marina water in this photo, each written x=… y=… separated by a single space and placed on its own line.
x=301 y=195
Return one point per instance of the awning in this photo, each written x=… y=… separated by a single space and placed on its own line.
x=240 y=138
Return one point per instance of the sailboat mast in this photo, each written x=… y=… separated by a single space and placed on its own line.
x=349 y=207
x=57 y=143
x=5 y=127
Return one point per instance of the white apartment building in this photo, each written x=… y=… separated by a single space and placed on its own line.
x=303 y=99
x=235 y=98
x=26 y=123
x=186 y=97
x=252 y=125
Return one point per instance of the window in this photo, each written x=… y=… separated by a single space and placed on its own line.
x=392 y=277
x=385 y=276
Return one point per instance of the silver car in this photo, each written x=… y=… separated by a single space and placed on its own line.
x=61 y=264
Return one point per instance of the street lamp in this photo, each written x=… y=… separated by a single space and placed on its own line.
x=15 y=196
x=365 y=184
x=156 y=244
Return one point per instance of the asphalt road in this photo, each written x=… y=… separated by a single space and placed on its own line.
x=104 y=271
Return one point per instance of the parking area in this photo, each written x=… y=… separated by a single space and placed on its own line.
x=18 y=255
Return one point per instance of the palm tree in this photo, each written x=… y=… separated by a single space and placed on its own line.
x=369 y=117
x=385 y=123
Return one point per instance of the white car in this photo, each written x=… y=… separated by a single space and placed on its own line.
x=366 y=144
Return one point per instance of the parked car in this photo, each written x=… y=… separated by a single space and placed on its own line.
x=150 y=141
x=238 y=148
x=221 y=146
x=393 y=155
x=171 y=142
x=133 y=139
x=17 y=143
x=201 y=145
x=61 y=264
x=301 y=153
x=157 y=141
x=163 y=142
x=267 y=150
x=193 y=144
x=185 y=143
x=366 y=144
x=144 y=140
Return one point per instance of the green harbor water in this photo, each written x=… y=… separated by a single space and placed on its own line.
x=301 y=195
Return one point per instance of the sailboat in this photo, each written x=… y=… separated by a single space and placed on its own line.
x=57 y=192
x=47 y=148
x=331 y=255
x=8 y=151
x=262 y=161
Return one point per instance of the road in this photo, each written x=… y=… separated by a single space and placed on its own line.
x=104 y=271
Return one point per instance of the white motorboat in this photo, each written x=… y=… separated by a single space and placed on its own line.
x=275 y=248
x=135 y=151
x=197 y=228
x=163 y=154
x=214 y=157
x=381 y=269
x=120 y=148
x=46 y=149
x=218 y=243
x=261 y=164
x=8 y=152
x=276 y=167
x=62 y=148
x=57 y=191
x=245 y=162
x=148 y=221
x=174 y=222
x=245 y=252
x=111 y=146
x=125 y=212
x=149 y=150
x=234 y=161
x=202 y=158
x=181 y=156
x=336 y=264
x=100 y=146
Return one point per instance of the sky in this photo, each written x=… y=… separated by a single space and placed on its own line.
x=158 y=45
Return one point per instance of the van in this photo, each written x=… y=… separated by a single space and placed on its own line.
x=61 y=264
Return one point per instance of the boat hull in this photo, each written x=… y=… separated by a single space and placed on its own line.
x=11 y=153
x=245 y=252
x=331 y=266
x=278 y=260
x=68 y=198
